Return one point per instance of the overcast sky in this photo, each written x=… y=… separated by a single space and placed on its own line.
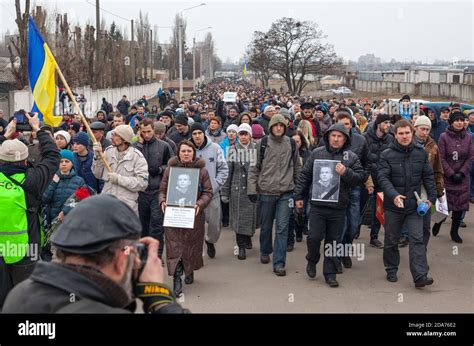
x=403 y=30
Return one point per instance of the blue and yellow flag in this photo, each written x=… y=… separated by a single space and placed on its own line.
x=245 y=68
x=41 y=69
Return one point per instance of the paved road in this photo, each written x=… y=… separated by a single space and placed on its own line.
x=226 y=284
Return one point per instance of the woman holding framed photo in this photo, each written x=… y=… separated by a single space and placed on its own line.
x=184 y=246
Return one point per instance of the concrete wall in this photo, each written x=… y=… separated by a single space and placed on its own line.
x=460 y=92
x=23 y=99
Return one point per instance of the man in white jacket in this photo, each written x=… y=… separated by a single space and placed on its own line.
x=129 y=168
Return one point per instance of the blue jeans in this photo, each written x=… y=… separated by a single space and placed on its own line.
x=352 y=216
x=279 y=208
x=405 y=231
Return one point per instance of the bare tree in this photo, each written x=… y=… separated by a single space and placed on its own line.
x=18 y=46
x=295 y=50
x=259 y=58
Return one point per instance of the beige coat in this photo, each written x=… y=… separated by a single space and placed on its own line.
x=133 y=175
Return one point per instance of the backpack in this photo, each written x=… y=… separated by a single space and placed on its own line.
x=263 y=147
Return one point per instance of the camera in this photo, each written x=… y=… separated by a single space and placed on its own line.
x=22 y=123
x=142 y=251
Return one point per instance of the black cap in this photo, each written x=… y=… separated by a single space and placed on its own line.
x=181 y=119
x=197 y=127
x=382 y=118
x=456 y=115
x=307 y=105
x=168 y=113
x=97 y=125
x=95 y=223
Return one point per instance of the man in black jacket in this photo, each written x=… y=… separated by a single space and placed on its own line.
x=359 y=147
x=156 y=153
x=327 y=218
x=97 y=247
x=403 y=169
x=378 y=139
x=33 y=182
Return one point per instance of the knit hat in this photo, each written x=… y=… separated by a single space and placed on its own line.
x=125 y=132
x=182 y=120
x=81 y=138
x=232 y=127
x=64 y=134
x=13 y=151
x=322 y=109
x=381 y=118
x=168 y=113
x=456 y=115
x=423 y=120
x=197 y=127
x=257 y=131
x=245 y=128
x=67 y=154
x=285 y=113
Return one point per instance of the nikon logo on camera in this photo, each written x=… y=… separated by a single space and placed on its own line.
x=153 y=289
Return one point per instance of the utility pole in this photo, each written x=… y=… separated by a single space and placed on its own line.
x=194 y=62
x=97 y=42
x=151 y=55
x=145 y=53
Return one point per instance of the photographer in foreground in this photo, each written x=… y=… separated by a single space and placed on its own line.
x=97 y=265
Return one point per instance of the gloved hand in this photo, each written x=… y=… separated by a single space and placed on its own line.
x=153 y=295
x=97 y=147
x=253 y=198
x=225 y=199
x=458 y=177
x=114 y=177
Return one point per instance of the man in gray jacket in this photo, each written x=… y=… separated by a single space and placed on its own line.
x=218 y=170
x=273 y=177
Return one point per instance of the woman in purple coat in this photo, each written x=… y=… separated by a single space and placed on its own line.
x=456 y=151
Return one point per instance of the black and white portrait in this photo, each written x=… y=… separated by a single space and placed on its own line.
x=326 y=181
x=182 y=187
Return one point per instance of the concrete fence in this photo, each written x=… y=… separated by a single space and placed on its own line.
x=459 y=92
x=23 y=99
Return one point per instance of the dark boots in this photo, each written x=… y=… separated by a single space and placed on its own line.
x=177 y=283
x=454 y=230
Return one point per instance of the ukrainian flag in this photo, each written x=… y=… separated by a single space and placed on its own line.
x=245 y=68
x=41 y=69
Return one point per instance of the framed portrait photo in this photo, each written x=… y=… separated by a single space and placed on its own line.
x=182 y=187
x=326 y=181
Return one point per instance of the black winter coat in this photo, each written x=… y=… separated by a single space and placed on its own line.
x=375 y=146
x=354 y=175
x=51 y=287
x=401 y=171
x=156 y=153
x=35 y=184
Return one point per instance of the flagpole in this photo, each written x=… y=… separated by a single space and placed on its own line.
x=83 y=118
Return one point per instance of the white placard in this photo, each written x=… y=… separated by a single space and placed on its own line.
x=230 y=96
x=179 y=217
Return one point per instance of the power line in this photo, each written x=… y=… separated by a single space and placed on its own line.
x=107 y=11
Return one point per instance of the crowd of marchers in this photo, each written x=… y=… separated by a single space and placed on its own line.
x=293 y=167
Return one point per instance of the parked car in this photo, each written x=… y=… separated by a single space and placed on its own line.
x=342 y=91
